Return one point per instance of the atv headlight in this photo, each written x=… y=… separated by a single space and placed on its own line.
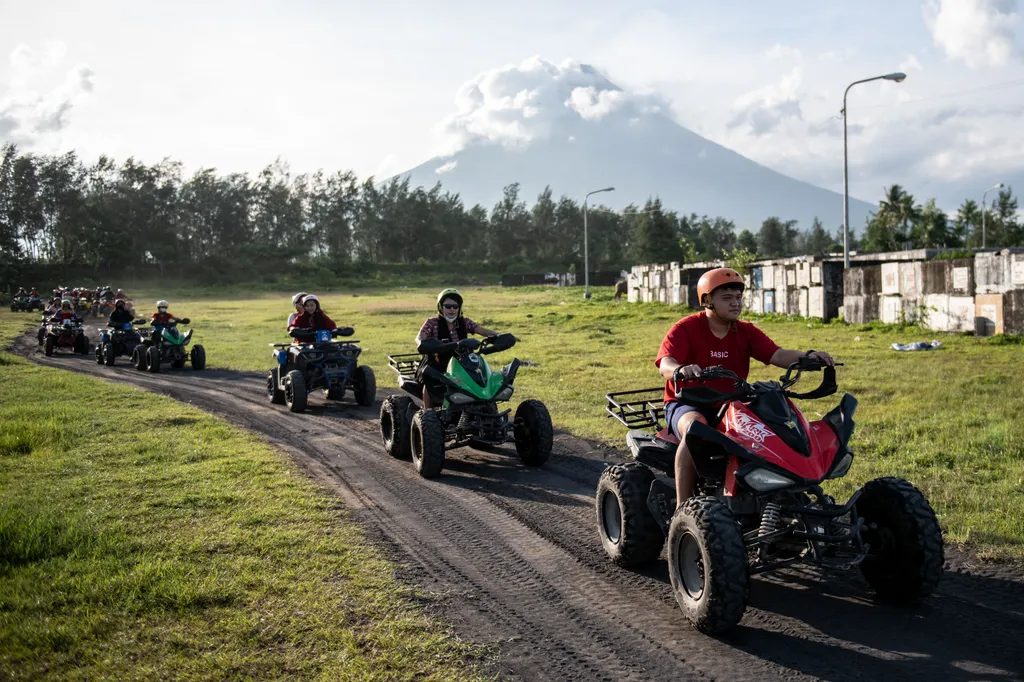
x=763 y=480
x=460 y=398
x=840 y=469
x=504 y=394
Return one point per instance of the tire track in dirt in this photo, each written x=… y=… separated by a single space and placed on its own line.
x=513 y=556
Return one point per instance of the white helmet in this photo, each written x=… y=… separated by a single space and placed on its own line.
x=298 y=297
x=163 y=304
x=311 y=297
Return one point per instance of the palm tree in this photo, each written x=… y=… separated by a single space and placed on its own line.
x=968 y=217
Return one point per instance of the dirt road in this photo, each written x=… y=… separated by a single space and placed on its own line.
x=513 y=558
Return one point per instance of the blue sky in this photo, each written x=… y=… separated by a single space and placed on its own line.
x=364 y=86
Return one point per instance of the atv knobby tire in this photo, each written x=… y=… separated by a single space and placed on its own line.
x=198 y=357
x=139 y=357
x=153 y=359
x=274 y=394
x=48 y=346
x=100 y=353
x=707 y=564
x=533 y=432
x=81 y=345
x=295 y=393
x=630 y=535
x=904 y=561
x=109 y=354
x=365 y=385
x=427 y=446
x=395 y=425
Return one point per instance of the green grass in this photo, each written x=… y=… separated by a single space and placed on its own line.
x=951 y=420
x=142 y=538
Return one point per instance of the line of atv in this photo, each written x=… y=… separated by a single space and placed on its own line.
x=468 y=393
x=148 y=349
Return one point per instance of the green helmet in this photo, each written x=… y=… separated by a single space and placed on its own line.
x=449 y=293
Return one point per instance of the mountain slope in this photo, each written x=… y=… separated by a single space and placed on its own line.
x=567 y=126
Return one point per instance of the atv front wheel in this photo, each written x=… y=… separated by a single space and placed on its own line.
x=707 y=564
x=139 y=357
x=109 y=353
x=198 y=357
x=100 y=355
x=365 y=384
x=394 y=425
x=533 y=432
x=153 y=359
x=905 y=555
x=295 y=391
x=48 y=346
x=274 y=394
x=81 y=345
x=427 y=446
x=630 y=535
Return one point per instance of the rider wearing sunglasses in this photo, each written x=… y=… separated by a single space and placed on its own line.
x=449 y=325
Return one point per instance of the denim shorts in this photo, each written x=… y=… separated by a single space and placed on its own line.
x=674 y=410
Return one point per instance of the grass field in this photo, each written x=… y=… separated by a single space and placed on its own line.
x=141 y=538
x=950 y=420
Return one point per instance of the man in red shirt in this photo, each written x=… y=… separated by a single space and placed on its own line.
x=714 y=336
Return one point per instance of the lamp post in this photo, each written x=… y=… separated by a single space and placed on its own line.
x=898 y=77
x=586 y=251
x=998 y=185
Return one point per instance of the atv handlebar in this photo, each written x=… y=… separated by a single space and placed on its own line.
x=743 y=390
x=306 y=333
x=491 y=344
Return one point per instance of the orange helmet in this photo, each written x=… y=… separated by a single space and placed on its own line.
x=712 y=279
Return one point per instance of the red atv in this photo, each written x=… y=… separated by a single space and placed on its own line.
x=759 y=504
x=65 y=334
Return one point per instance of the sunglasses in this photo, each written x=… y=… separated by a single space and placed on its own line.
x=451 y=306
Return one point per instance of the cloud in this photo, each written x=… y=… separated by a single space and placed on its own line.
x=910 y=64
x=518 y=104
x=767 y=108
x=27 y=116
x=780 y=51
x=444 y=168
x=979 y=32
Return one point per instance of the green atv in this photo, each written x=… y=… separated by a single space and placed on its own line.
x=468 y=394
x=168 y=345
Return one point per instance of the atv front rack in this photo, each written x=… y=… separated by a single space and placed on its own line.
x=637 y=409
x=405 y=364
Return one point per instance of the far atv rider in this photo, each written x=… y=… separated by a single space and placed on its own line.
x=714 y=336
x=160 y=319
x=449 y=325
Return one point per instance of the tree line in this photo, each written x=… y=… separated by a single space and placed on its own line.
x=57 y=209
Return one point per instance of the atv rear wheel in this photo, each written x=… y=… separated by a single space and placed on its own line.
x=427 y=446
x=334 y=393
x=707 y=564
x=198 y=357
x=630 y=535
x=365 y=385
x=395 y=424
x=153 y=359
x=109 y=354
x=48 y=346
x=274 y=394
x=295 y=394
x=905 y=557
x=533 y=432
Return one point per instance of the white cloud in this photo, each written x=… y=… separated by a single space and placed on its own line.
x=446 y=167
x=979 y=32
x=780 y=51
x=910 y=64
x=764 y=109
x=518 y=104
x=27 y=117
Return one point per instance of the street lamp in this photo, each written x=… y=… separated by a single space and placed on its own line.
x=586 y=251
x=998 y=185
x=898 y=77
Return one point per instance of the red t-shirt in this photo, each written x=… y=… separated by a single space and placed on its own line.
x=162 y=318
x=691 y=342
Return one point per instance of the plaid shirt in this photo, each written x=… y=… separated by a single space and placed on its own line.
x=429 y=329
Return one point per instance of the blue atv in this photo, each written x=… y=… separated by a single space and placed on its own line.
x=116 y=340
x=318 y=362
